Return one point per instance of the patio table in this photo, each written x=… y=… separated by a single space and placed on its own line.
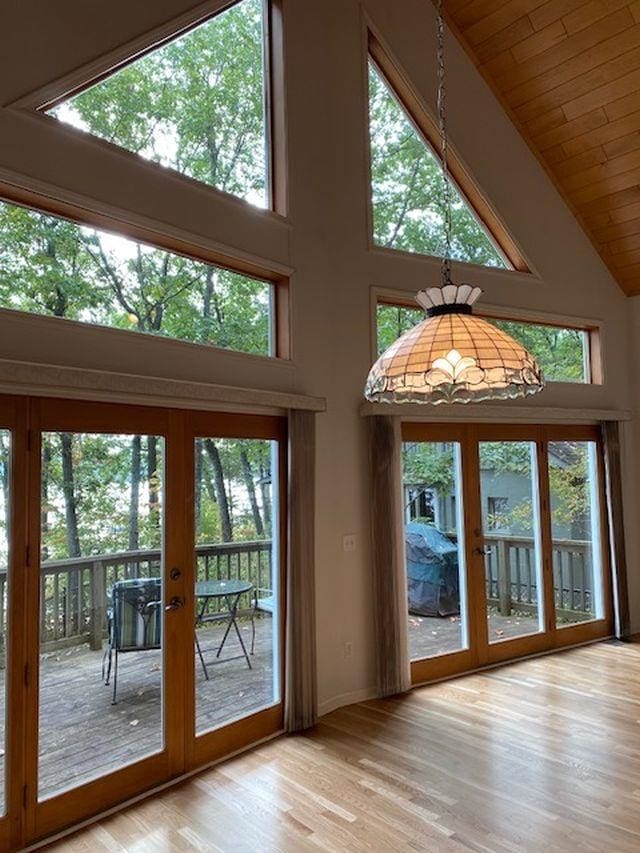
x=230 y=591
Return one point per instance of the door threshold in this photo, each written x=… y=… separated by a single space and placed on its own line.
x=501 y=663
x=58 y=836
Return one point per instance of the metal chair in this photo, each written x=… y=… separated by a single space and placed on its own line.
x=135 y=622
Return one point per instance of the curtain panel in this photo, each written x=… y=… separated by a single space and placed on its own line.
x=301 y=701
x=615 y=515
x=389 y=572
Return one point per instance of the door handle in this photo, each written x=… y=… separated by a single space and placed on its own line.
x=175 y=604
x=482 y=552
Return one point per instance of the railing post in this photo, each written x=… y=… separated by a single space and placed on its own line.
x=98 y=610
x=504 y=578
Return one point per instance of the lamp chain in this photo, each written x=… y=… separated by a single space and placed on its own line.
x=442 y=124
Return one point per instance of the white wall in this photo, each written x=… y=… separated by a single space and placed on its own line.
x=324 y=243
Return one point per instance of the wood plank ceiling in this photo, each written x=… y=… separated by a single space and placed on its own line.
x=568 y=73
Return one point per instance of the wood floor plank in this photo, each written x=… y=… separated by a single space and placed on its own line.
x=538 y=755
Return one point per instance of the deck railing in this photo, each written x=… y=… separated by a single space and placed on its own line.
x=511 y=574
x=74 y=592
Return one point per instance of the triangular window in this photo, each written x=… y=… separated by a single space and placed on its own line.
x=406 y=188
x=195 y=104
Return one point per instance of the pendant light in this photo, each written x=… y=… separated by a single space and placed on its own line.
x=451 y=356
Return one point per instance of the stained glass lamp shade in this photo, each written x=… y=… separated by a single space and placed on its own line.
x=453 y=357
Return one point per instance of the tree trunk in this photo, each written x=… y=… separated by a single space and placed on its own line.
x=226 y=526
x=247 y=475
x=69 y=492
x=199 y=473
x=71 y=516
x=44 y=492
x=154 y=483
x=134 y=500
x=5 y=450
x=265 y=490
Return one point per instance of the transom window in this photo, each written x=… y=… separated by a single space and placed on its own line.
x=564 y=353
x=55 y=267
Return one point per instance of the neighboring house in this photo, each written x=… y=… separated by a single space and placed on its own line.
x=502 y=493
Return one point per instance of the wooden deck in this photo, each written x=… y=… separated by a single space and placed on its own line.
x=437 y=636
x=82 y=735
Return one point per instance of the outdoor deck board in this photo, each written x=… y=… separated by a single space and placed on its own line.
x=82 y=735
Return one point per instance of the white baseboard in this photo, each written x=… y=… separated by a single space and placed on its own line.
x=346 y=699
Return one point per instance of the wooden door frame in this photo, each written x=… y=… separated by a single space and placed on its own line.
x=13 y=417
x=465 y=659
x=44 y=817
x=481 y=652
x=213 y=744
x=28 y=820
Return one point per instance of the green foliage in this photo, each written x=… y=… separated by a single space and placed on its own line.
x=432 y=465
x=407 y=189
x=51 y=266
x=506 y=456
x=195 y=104
x=429 y=464
x=569 y=482
x=102 y=487
x=558 y=351
x=393 y=321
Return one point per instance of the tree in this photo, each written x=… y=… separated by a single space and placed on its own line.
x=407 y=188
x=195 y=104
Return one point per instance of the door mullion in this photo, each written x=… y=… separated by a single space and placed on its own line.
x=476 y=592
x=178 y=587
x=32 y=618
x=546 y=541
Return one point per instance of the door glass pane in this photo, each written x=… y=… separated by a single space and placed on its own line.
x=100 y=605
x=434 y=543
x=237 y=579
x=511 y=529
x=5 y=491
x=575 y=528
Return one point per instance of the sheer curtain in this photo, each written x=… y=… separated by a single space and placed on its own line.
x=301 y=701
x=389 y=572
x=615 y=515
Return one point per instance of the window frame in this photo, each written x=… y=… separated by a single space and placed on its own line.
x=425 y=125
x=592 y=330
x=93 y=72
x=279 y=313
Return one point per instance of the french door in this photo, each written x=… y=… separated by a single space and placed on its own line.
x=506 y=543
x=140 y=608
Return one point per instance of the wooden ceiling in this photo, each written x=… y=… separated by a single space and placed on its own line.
x=568 y=72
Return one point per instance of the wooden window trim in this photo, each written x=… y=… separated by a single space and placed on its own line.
x=52 y=95
x=280 y=306
x=426 y=126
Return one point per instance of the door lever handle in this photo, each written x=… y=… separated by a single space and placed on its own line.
x=483 y=552
x=175 y=604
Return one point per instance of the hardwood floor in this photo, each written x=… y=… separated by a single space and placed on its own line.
x=538 y=755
